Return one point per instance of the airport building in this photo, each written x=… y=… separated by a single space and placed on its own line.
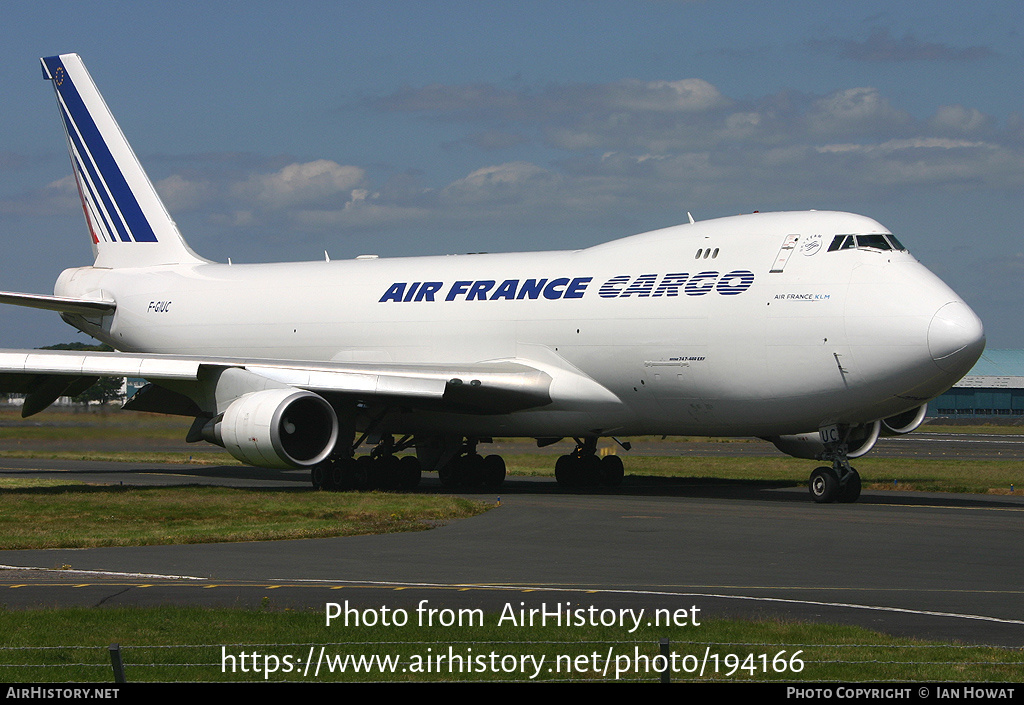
x=993 y=388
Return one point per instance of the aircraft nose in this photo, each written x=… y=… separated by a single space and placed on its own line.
x=956 y=337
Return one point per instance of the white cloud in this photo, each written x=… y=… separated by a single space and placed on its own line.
x=60 y=196
x=686 y=95
x=856 y=110
x=182 y=194
x=512 y=181
x=958 y=119
x=301 y=183
x=904 y=144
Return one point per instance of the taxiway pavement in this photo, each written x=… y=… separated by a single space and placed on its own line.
x=938 y=566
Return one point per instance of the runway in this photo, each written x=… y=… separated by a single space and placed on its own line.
x=936 y=566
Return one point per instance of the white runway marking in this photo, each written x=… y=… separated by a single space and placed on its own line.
x=538 y=588
x=102 y=573
x=663 y=593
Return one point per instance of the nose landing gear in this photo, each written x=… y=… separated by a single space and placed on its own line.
x=840 y=482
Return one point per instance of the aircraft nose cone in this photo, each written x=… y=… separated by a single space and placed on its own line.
x=955 y=337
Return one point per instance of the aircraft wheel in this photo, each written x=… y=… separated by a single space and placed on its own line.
x=336 y=480
x=386 y=470
x=409 y=473
x=566 y=471
x=449 y=474
x=374 y=472
x=493 y=471
x=612 y=471
x=318 y=476
x=589 y=469
x=472 y=470
x=360 y=472
x=824 y=486
x=850 y=491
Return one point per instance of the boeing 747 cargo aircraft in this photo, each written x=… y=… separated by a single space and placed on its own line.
x=815 y=330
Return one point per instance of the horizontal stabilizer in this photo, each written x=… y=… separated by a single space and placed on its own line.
x=63 y=304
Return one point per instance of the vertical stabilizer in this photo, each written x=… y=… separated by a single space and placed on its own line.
x=129 y=225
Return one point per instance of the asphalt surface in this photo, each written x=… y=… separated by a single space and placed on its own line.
x=936 y=566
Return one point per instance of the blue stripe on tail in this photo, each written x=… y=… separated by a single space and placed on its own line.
x=110 y=185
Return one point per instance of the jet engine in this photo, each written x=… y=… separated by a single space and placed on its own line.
x=906 y=422
x=810 y=447
x=276 y=428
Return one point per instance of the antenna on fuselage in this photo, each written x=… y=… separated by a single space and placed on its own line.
x=692 y=221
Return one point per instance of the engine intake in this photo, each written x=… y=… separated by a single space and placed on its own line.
x=276 y=428
x=906 y=422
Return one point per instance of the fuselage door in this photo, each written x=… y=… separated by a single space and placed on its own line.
x=788 y=245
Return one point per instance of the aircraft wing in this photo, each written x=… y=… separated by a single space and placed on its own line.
x=500 y=386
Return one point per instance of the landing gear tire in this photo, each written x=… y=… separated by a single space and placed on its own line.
x=318 y=476
x=567 y=471
x=361 y=472
x=612 y=471
x=449 y=474
x=493 y=471
x=337 y=476
x=589 y=471
x=850 y=490
x=409 y=473
x=472 y=470
x=824 y=485
x=582 y=471
x=385 y=473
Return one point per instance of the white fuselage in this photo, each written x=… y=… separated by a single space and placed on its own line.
x=731 y=348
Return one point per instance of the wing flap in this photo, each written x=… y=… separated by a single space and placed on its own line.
x=70 y=362
x=355 y=382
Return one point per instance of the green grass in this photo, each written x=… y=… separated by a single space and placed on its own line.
x=127 y=456
x=55 y=515
x=981 y=428
x=110 y=423
x=929 y=475
x=189 y=644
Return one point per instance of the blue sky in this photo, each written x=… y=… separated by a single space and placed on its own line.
x=276 y=131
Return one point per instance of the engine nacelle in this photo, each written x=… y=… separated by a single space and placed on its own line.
x=809 y=445
x=276 y=428
x=906 y=422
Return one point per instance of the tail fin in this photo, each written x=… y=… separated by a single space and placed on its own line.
x=127 y=220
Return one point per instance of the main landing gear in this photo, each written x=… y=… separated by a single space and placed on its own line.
x=380 y=470
x=840 y=482
x=458 y=465
x=583 y=468
x=470 y=469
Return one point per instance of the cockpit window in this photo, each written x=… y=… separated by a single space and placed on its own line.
x=842 y=242
x=896 y=244
x=865 y=242
x=875 y=242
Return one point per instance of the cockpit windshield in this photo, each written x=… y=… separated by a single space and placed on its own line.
x=887 y=241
